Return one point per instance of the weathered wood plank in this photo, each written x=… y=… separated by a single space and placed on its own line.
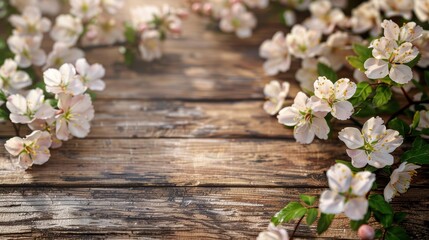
x=218 y=213
x=183 y=162
x=134 y=118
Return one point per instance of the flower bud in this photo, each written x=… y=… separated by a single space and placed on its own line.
x=366 y=232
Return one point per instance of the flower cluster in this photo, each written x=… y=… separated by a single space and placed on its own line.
x=233 y=16
x=386 y=67
x=149 y=26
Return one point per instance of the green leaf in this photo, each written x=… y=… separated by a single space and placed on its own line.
x=325 y=70
x=385 y=219
x=416 y=120
x=3 y=96
x=324 y=222
x=311 y=216
x=426 y=77
x=362 y=51
x=399 y=217
x=309 y=200
x=363 y=91
x=419 y=143
x=4 y=115
x=400 y=126
x=292 y=211
x=378 y=234
x=356 y=62
x=128 y=54
x=396 y=233
x=378 y=204
x=130 y=33
x=382 y=95
x=414 y=61
x=419 y=153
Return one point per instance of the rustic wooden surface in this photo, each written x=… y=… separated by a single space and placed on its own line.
x=180 y=148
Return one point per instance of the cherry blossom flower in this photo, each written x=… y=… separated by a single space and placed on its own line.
x=27 y=109
x=303 y=43
x=62 y=53
x=112 y=6
x=256 y=3
x=141 y=17
x=424 y=120
x=91 y=75
x=392 y=52
x=337 y=47
x=27 y=50
x=323 y=17
x=308 y=73
x=336 y=95
x=422 y=44
x=371 y=146
x=421 y=9
x=33 y=149
x=67 y=29
x=393 y=8
x=150 y=45
x=296 y=4
x=273 y=233
x=47 y=125
x=275 y=94
x=104 y=31
x=347 y=192
x=85 y=9
x=12 y=79
x=289 y=17
x=76 y=113
x=30 y=23
x=276 y=52
x=400 y=180
x=307 y=116
x=366 y=17
x=50 y=7
x=63 y=80
x=237 y=19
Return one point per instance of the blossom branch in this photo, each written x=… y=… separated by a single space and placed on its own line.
x=296 y=227
x=400 y=111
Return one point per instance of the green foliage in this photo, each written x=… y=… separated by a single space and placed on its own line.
x=356 y=62
x=378 y=204
x=416 y=120
x=309 y=200
x=418 y=154
x=128 y=54
x=2 y=96
x=426 y=77
x=400 y=126
x=292 y=211
x=311 y=216
x=325 y=70
x=4 y=115
x=382 y=95
x=363 y=53
x=396 y=233
x=130 y=34
x=363 y=91
x=324 y=222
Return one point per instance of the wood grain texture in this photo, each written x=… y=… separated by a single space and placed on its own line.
x=183 y=162
x=173 y=213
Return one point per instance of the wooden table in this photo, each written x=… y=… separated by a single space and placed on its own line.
x=180 y=148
